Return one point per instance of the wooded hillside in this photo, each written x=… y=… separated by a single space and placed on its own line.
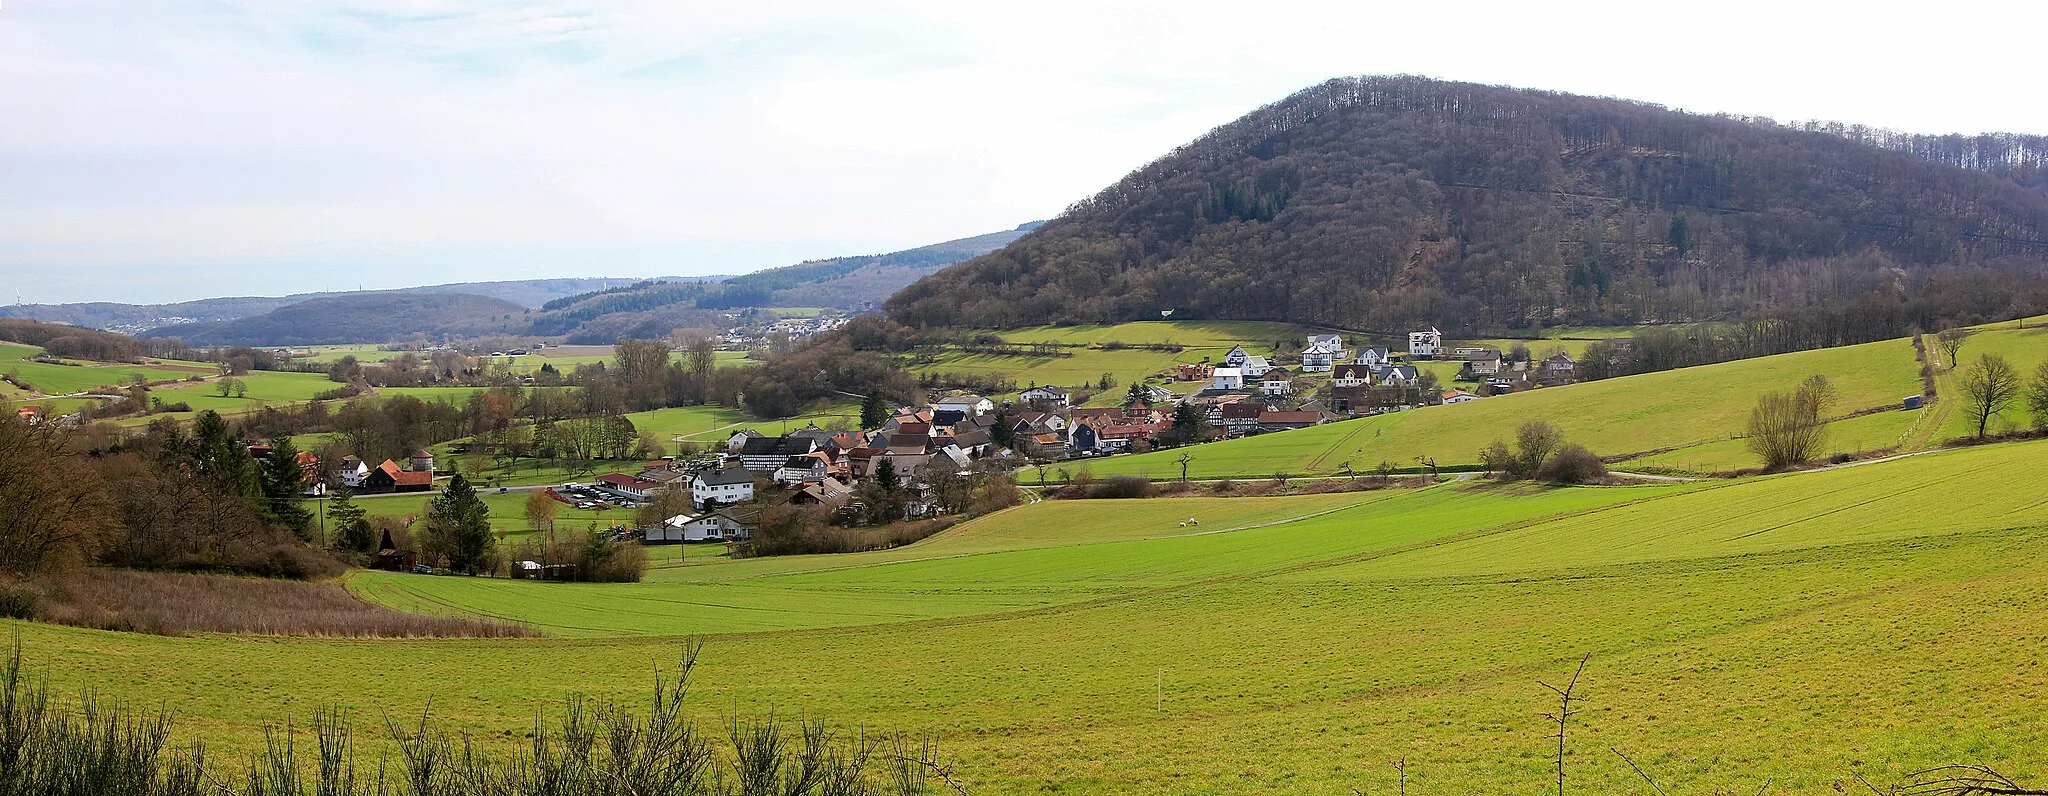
x=1386 y=202
x=366 y=317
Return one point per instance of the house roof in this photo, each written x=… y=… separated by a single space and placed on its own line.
x=1277 y=374
x=1310 y=418
x=746 y=432
x=410 y=478
x=1485 y=354
x=805 y=462
x=391 y=468
x=1228 y=372
x=1350 y=371
x=1048 y=390
x=970 y=439
x=778 y=446
x=947 y=417
x=422 y=453
x=725 y=477
x=916 y=428
x=1243 y=410
x=621 y=479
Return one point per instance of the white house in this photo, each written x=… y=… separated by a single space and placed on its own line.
x=1355 y=374
x=809 y=468
x=1052 y=396
x=1398 y=376
x=1425 y=344
x=1255 y=366
x=1334 y=343
x=1372 y=356
x=709 y=527
x=728 y=487
x=1322 y=353
x=1227 y=379
x=1236 y=357
x=738 y=440
x=966 y=403
x=1458 y=397
x=1277 y=382
x=351 y=472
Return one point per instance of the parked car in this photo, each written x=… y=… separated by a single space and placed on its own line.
x=422 y=569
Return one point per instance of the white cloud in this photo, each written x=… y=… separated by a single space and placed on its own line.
x=252 y=141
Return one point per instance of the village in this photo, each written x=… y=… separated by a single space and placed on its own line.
x=957 y=432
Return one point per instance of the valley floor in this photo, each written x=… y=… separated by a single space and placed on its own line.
x=1802 y=630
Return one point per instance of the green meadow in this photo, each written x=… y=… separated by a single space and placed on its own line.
x=1800 y=630
x=1199 y=340
x=1641 y=414
x=80 y=376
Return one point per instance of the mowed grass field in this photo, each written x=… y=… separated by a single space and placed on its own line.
x=1086 y=366
x=54 y=379
x=1637 y=414
x=508 y=512
x=1803 y=630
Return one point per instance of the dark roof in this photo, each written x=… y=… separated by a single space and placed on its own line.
x=1288 y=418
x=946 y=417
x=1243 y=410
x=804 y=462
x=724 y=477
x=777 y=446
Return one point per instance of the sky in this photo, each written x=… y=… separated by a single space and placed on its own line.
x=164 y=150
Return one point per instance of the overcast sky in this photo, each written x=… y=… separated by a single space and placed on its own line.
x=156 y=150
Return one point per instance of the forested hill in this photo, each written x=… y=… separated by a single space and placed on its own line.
x=360 y=318
x=1382 y=202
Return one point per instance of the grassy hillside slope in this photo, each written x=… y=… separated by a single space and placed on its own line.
x=1803 y=629
x=1615 y=416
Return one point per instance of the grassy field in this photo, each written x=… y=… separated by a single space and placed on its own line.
x=54 y=379
x=1644 y=413
x=715 y=423
x=2024 y=347
x=1199 y=339
x=1802 y=630
x=508 y=512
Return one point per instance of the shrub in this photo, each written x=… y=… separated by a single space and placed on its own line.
x=1572 y=464
x=20 y=600
x=1121 y=487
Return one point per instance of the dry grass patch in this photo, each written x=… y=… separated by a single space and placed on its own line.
x=179 y=604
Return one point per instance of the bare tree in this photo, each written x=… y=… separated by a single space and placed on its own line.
x=1788 y=428
x=1989 y=388
x=2037 y=396
x=1566 y=697
x=1951 y=341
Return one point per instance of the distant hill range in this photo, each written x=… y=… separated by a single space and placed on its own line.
x=136 y=318
x=592 y=309
x=366 y=317
x=1387 y=202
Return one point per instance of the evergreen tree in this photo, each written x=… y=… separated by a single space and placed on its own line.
x=1003 y=432
x=873 y=411
x=458 y=525
x=351 y=525
x=1136 y=393
x=885 y=475
x=1188 y=424
x=283 y=485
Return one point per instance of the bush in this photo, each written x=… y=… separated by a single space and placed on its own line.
x=1572 y=464
x=19 y=600
x=1121 y=487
